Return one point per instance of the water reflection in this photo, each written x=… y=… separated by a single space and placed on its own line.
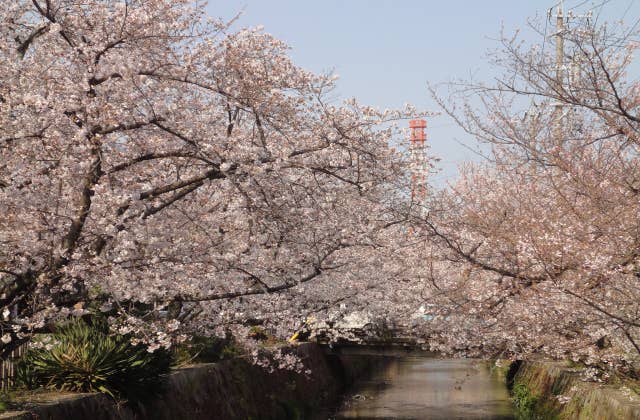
x=420 y=387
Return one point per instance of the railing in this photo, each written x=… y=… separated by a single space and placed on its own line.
x=8 y=367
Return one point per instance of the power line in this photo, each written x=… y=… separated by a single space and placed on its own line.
x=544 y=37
x=632 y=28
x=628 y=8
x=601 y=5
x=578 y=5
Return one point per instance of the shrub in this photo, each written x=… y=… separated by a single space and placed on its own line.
x=257 y=333
x=202 y=349
x=524 y=402
x=86 y=358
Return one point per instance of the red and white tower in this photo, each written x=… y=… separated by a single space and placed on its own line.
x=419 y=164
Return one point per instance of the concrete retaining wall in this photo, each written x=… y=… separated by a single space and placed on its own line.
x=233 y=389
x=555 y=391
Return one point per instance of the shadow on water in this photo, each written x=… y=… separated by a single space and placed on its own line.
x=424 y=387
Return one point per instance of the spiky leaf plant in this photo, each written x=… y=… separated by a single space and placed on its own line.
x=86 y=358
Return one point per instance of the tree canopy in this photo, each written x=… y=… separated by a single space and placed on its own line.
x=162 y=169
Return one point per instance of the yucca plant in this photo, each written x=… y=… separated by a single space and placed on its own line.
x=86 y=358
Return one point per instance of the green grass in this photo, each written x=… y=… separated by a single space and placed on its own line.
x=524 y=401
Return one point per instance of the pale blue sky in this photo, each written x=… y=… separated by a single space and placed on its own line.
x=385 y=51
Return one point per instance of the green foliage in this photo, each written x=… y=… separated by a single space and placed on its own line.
x=231 y=350
x=573 y=364
x=257 y=333
x=202 y=349
x=85 y=358
x=524 y=401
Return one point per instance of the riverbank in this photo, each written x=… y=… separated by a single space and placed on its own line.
x=238 y=389
x=227 y=390
x=546 y=390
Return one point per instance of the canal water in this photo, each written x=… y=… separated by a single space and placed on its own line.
x=424 y=387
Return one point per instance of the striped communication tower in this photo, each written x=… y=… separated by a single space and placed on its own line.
x=419 y=164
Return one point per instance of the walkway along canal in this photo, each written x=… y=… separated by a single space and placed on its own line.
x=424 y=387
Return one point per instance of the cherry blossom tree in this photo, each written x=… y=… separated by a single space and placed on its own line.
x=178 y=176
x=538 y=247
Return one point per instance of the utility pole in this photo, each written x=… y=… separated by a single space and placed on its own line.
x=533 y=115
x=419 y=163
x=559 y=73
x=561 y=30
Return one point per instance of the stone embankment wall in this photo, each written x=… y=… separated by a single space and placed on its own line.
x=555 y=391
x=234 y=389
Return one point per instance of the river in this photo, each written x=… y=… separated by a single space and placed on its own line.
x=424 y=387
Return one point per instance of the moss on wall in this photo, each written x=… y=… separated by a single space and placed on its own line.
x=555 y=391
